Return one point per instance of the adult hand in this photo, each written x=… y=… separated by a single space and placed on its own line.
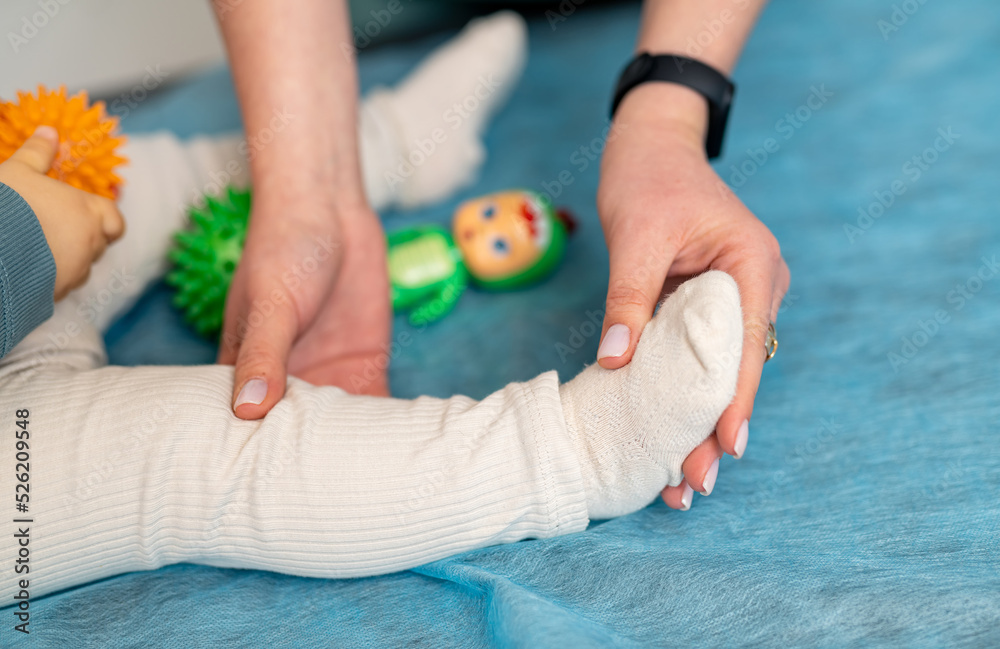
x=78 y=226
x=667 y=215
x=310 y=295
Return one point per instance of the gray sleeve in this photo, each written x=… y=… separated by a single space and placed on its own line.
x=27 y=271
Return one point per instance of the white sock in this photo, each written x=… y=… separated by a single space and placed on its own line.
x=635 y=426
x=428 y=128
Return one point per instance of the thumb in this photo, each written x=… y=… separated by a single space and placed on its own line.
x=261 y=364
x=637 y=277
x=39 y=150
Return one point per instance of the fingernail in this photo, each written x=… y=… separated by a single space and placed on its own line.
x=253 y=392
x=615 y=342
x=741 y=439
x=686 y=497
x=709 y=482
x=48 y=133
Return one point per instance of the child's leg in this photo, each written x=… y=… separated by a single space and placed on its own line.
x=131 y=469
x=421 y=140
x=445 y=102
x=164 y=177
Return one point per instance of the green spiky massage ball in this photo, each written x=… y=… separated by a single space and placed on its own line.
x=205 y=256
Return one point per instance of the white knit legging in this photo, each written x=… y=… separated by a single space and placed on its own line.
x=135 y=468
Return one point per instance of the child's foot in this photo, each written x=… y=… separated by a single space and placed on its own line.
x=429 y=126
x=634 y=426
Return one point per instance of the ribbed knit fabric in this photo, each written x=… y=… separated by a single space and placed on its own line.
x=136 y=468
x=27 y=271
x=429 y=127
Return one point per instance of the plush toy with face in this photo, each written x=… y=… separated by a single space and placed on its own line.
x=498 y=242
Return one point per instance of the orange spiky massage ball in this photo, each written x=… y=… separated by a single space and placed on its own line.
x=88 y=138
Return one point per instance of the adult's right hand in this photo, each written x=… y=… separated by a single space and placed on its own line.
x=310 y=297
x=311 y=294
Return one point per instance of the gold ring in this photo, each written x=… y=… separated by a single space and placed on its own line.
x=770 y=342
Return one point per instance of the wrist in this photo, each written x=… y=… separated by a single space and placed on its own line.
x=289 y=185
x=669 y=110
x=306 y=202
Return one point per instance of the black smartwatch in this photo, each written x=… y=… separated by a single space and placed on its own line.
x=674 y=68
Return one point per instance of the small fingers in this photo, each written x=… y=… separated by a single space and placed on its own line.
x=108 y=221
x=112 y=221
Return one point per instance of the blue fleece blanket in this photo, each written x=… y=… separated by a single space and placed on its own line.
x=866 y=511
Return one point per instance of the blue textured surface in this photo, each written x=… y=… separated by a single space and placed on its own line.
x=866 y=511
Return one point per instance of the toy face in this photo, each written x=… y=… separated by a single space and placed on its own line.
x=502 y=234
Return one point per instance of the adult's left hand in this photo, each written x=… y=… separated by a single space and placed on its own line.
x=667 y=215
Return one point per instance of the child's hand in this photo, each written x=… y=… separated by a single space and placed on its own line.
x=78 y=226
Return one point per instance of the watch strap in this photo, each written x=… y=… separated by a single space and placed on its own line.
x=717 y=89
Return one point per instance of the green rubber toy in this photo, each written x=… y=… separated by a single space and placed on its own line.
x=498 y=242
x=205 y=256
